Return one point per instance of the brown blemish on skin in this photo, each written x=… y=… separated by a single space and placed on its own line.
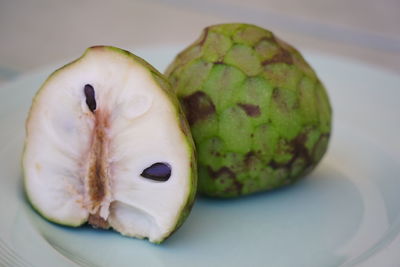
x=251 y=110
x=280 y=99
x=266 y=38
x=277 y=96
x=97 y=47
x=249 y=159
x=221 y=171
x=321 y=139
x=227 y=173
x=205 y=35
x=198 y=106
x=235 y=189
x=283 y=56
x=298 y=150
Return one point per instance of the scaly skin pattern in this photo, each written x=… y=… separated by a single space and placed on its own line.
x=259 y=115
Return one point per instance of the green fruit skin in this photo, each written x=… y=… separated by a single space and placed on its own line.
x=259 y=115
x=164 y=84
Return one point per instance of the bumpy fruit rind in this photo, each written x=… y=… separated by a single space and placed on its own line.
x=259 y=115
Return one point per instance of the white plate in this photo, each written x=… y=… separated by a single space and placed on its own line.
x=345 y=213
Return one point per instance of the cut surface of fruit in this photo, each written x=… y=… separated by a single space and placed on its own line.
x=107 y=144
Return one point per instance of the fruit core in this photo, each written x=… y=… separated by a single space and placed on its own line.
x=98 y=177
x=98 y=182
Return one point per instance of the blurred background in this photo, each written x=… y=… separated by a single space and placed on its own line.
x=37 y=33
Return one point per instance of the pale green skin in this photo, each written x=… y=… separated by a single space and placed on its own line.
x=259 y=115
x=180 y=117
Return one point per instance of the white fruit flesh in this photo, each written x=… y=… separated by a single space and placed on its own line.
x=134 y=126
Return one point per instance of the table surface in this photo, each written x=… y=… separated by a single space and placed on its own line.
x=42 y=32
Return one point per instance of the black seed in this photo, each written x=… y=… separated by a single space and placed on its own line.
x=90 y=97
x=158 y=172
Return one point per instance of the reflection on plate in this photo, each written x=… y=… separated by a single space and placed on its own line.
x=345 y=213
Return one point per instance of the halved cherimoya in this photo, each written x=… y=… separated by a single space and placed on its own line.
x=107 y=143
